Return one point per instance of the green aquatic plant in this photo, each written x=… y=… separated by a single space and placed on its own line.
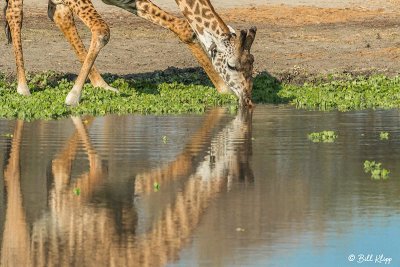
x=191 y=92
x=143 y=95
x=8 y=135
x=77 y=191
x=376 y=170
x=322 y=137
x=384 y=135
x=345 y=93
x=165 y=139
x=156 y=187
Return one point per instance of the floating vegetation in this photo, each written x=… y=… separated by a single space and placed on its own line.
x=156 y=187
x=384 y=135
x=77 y=191
x=376 y=170
x=8 y=135
x=345 y=93
x=191 y=92
x=322 y=137
x=136 y=96
x=165 y=139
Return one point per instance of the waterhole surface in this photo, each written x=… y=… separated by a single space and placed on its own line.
x=217 y=189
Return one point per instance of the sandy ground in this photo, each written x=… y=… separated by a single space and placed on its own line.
x=308 y=36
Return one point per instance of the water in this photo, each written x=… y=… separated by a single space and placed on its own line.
x=244 y=190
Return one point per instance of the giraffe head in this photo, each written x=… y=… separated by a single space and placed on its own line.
x=231 y=57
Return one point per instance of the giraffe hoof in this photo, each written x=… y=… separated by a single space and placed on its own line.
x=110 y=88
x=72 y=99
x=105 y=86
x=23 y=90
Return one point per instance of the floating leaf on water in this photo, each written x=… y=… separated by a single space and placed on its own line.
x=165 y=139
x=384 y=135
x=376 y=170
x=322 y=137
x=156 y=187
x=77 y=191
x=8 y=135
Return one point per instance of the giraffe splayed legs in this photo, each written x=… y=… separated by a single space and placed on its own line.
x=64 y=19
x=61 y=12
x=85 y=10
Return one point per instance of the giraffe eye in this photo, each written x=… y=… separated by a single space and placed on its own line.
x=214 y=52
x=231 y=67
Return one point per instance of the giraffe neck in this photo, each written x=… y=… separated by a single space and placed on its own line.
x=203 y=19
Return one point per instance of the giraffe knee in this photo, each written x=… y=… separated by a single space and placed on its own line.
x=102 y=34
x=185 y=32
x=61 y=15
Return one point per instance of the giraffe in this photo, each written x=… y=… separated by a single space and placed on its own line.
x=224 y=56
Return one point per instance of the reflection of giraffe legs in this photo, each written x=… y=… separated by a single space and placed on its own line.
x=95 y=166
x=62 y=164
x=15 y=249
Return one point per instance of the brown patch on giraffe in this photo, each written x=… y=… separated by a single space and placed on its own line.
x=187 y=13
x=191 y=3
x=199 y=29
x=214 y=25
x=206 y=13
x=197 y=9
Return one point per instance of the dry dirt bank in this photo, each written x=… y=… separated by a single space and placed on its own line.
x=305 y=39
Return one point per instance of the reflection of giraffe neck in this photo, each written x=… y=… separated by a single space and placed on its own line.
x=74 y=229
x=203 y=19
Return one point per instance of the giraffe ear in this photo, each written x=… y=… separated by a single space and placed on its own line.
x=213 y=49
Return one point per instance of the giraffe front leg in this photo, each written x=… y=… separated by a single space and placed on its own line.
x=64 y=19
x=14 y=16
x=100 y=36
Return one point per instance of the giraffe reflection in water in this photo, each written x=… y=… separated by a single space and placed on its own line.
x=76 y=231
